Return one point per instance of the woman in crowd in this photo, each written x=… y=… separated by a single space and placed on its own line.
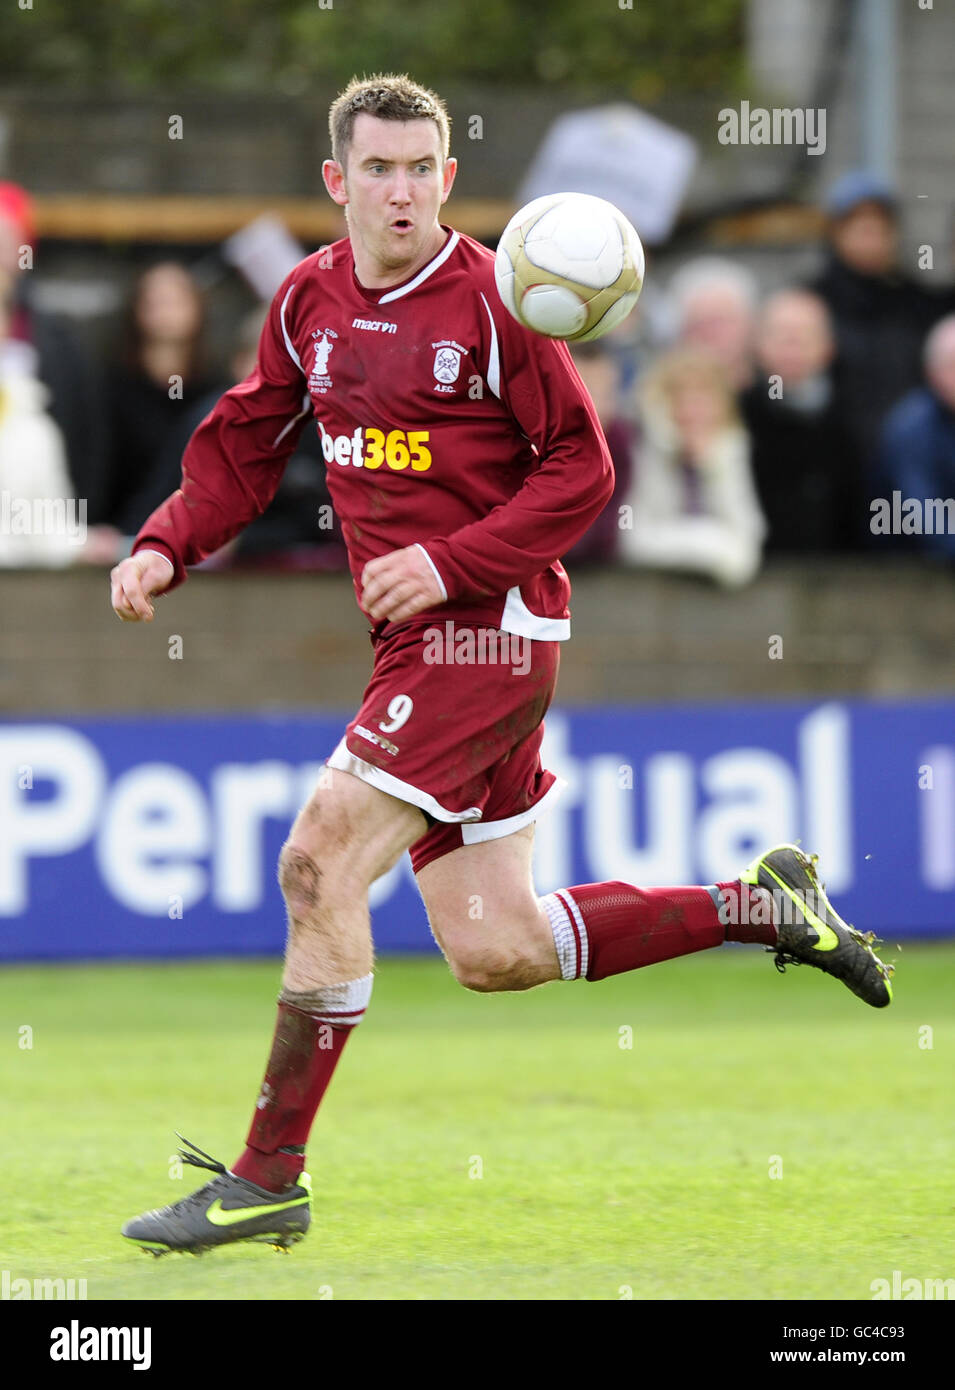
x=161 y=375
x=692 y=505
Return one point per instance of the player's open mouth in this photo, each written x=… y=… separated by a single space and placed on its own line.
x=402 y=224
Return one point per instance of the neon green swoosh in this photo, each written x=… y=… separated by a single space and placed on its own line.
x=828 y=940
x=218 y=1217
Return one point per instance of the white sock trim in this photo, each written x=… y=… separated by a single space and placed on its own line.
x=584 y=939
x=569 y=953
x=342 y=1004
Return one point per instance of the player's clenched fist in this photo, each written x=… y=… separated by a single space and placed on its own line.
x=133 y=583
x=399 y=585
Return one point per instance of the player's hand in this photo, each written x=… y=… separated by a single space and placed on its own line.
x=399 y=585
x=133 y=583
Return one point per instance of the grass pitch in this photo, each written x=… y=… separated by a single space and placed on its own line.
x=498 y=1147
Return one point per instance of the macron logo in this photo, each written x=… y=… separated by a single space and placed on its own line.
x=375 y=325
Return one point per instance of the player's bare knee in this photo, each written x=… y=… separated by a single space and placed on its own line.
x=478 y=975
x=491 y=971
x=300 y=879
x=317 y=886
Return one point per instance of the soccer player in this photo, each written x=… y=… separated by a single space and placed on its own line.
x=464 y=457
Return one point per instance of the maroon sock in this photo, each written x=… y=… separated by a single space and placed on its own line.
x=305 y=1052
x=617 y=927
x=603 y=929
x=747 y=913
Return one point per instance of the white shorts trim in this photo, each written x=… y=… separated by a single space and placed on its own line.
x=477 y=832
x=519 y=619
x=346 y=761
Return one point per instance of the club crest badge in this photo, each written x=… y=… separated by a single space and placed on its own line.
x=447 y=363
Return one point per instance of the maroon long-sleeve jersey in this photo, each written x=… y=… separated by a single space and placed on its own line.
x=443 y=423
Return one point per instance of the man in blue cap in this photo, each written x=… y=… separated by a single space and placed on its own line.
x=918 y=447
x=880 y=318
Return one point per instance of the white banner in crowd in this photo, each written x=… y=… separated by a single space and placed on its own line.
x=618 y=152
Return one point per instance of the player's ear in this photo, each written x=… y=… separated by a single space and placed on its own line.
x=334 y=177
x=448 y=173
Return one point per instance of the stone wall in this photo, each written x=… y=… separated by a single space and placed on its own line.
x=257 y=642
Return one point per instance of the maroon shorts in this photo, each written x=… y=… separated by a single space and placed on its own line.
x=452 y=722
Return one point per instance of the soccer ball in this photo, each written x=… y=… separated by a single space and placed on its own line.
x=569 y=266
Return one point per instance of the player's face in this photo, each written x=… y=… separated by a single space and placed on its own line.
x=392 y=186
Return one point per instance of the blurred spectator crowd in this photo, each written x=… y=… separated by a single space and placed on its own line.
x=741 y=426
x=111 y=433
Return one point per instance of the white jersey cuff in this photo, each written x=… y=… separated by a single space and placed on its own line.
x=434 y=570
x=147 y=550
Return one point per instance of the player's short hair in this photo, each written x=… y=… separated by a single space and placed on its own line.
x=391 y=97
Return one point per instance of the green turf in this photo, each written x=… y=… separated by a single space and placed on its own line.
x=605 y=1168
